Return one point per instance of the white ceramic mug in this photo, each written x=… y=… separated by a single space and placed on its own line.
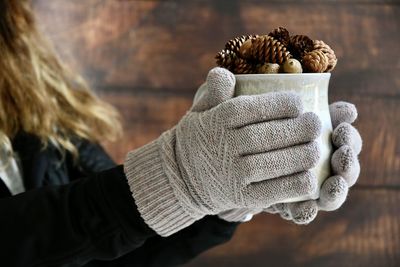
x=313 y=89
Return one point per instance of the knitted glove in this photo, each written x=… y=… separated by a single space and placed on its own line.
x=213 y=160
x=334 y=190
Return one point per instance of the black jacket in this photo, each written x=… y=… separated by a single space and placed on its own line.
x=84 y=215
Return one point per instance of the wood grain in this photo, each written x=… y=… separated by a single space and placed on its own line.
x=364 y=232
x=148 y=57
x=171 y=44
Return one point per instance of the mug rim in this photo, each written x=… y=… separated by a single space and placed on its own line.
x=327 y=74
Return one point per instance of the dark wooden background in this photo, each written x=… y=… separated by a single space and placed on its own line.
x=148 y=57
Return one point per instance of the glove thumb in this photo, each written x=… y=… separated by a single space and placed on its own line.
x=219 y=87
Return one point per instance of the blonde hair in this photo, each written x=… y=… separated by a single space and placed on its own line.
x=38 y=94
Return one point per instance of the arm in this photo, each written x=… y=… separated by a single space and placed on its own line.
x=157 y=251
x=178 y=248
x=196 y=168
x=200 y=167
x=171 y=179
x=92 y=218
x=183 y=246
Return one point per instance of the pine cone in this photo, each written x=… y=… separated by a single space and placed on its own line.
x=226 y=59
x=234 y=44
x=329 y=53
x=264 y=49
x=244 y=67
x=315 y=61
x=299 y=45
x=282 y=35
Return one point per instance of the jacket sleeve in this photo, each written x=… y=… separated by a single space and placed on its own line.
x=159 y=251
x=178 y=248
x=69 y=225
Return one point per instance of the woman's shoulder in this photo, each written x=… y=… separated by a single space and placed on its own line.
x=47 y=165
x=92 y=157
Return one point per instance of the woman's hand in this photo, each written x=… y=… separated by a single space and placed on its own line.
x=333 y=193
x=345 y=168
x=226 y=153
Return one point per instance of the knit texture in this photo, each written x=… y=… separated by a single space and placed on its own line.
x=345 y=167
x=225 y=153
x=334 y=193
x=301 y=212
x=344 y=162
x=231 y=157
x=342 y=112
x=345 y=134
x=152 y=190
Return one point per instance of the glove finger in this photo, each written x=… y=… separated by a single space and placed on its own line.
x=342 y=112
x=344 y=162
x=220 y=87
x=249 y=109
x=281 y=209
x=266 y=136
x=346 y=134
x=277 y=163
x=265 y=193
x=278 y=208
x=238 y=215
x=199 y=93
x=272 y=209
x=303 y=212
x=333 y=193
x=284 y=212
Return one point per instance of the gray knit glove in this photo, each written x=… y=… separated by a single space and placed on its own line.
x=213 y=160
x=334 y=190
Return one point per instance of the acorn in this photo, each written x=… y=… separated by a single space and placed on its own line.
x=269 y=68
x=292 y=66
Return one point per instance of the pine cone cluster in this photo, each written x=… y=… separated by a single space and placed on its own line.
x=250 y=54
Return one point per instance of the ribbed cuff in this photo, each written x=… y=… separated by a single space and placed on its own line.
x=152 y=191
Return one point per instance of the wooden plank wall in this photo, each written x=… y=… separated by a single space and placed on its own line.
x=148 y=58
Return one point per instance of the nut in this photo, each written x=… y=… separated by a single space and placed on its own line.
x=269 y=68
x=292 y=66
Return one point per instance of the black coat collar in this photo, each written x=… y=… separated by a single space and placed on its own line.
x=43 y=166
